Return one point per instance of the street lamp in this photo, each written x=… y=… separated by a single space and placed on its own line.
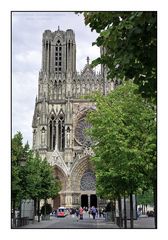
x=22 y=161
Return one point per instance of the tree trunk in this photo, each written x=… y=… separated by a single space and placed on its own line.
x=125 y=213
x=34 y=209
x=14 y=215
x=120 y=212
x=38 y=209
x=45 y=207
x=20 y=209
x=131 y=212
x=113 y=210
x=146 y=208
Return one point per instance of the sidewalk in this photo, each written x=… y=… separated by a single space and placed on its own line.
x=41 y=224
x=143 y=222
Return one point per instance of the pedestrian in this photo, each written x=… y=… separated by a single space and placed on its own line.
x=100 y=213
x=96 y=212
x=77 y=213
x=138 y=213
x=93 y=212
x=89 y=212
x=103 y=212
x=81 y=213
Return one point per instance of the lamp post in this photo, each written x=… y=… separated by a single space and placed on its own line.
x=22 y=163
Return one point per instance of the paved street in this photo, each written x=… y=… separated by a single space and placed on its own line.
x=71 y=222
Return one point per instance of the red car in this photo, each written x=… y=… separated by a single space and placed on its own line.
x=62 y=212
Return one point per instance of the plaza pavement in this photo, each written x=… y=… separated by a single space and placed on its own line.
x=71 y=222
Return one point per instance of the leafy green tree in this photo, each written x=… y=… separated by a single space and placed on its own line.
x=19 y=155
x=130 y=43
x=33 y=177
x=49 y=185
x=35 y=180
x=40 y=181
x=145 y=198
x=124 y=127
x=16 y=156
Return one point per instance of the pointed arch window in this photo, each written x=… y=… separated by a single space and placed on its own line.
x=58 y=60
x=52 y=132
x=61 y=132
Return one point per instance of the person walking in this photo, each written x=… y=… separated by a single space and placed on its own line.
x=89 y=212
x=100 y=212
x=77 y=213
x=93 y=212
x=81 y=213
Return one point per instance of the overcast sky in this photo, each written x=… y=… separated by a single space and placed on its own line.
x=27 y=30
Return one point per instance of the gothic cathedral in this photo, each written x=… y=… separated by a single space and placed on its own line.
x=59 y=118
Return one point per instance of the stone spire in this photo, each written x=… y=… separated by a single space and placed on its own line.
x=87 y=60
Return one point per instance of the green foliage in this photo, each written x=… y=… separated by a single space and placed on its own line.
x=40 y=182
x=17 y=148
x=145 y=198
x=16 y=156
x=35 y=180
x=124 y=129
x=49 y=185
x=130 y=43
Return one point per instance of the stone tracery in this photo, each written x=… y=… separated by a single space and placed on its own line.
x=88 y=181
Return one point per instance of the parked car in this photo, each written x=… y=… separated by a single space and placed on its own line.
x=62 y=212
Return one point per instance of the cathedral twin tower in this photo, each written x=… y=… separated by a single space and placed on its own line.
x=59 y=118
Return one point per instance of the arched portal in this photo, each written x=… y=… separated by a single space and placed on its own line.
x=79 y=174
x=84 y=200
x=60 y=199
x=84 y=182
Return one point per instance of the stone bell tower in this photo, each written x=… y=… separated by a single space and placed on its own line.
x=58 y=52
x=58 y=65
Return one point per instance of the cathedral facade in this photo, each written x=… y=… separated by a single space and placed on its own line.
x=59 y=118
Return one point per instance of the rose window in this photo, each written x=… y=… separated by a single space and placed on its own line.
x=88 y=181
